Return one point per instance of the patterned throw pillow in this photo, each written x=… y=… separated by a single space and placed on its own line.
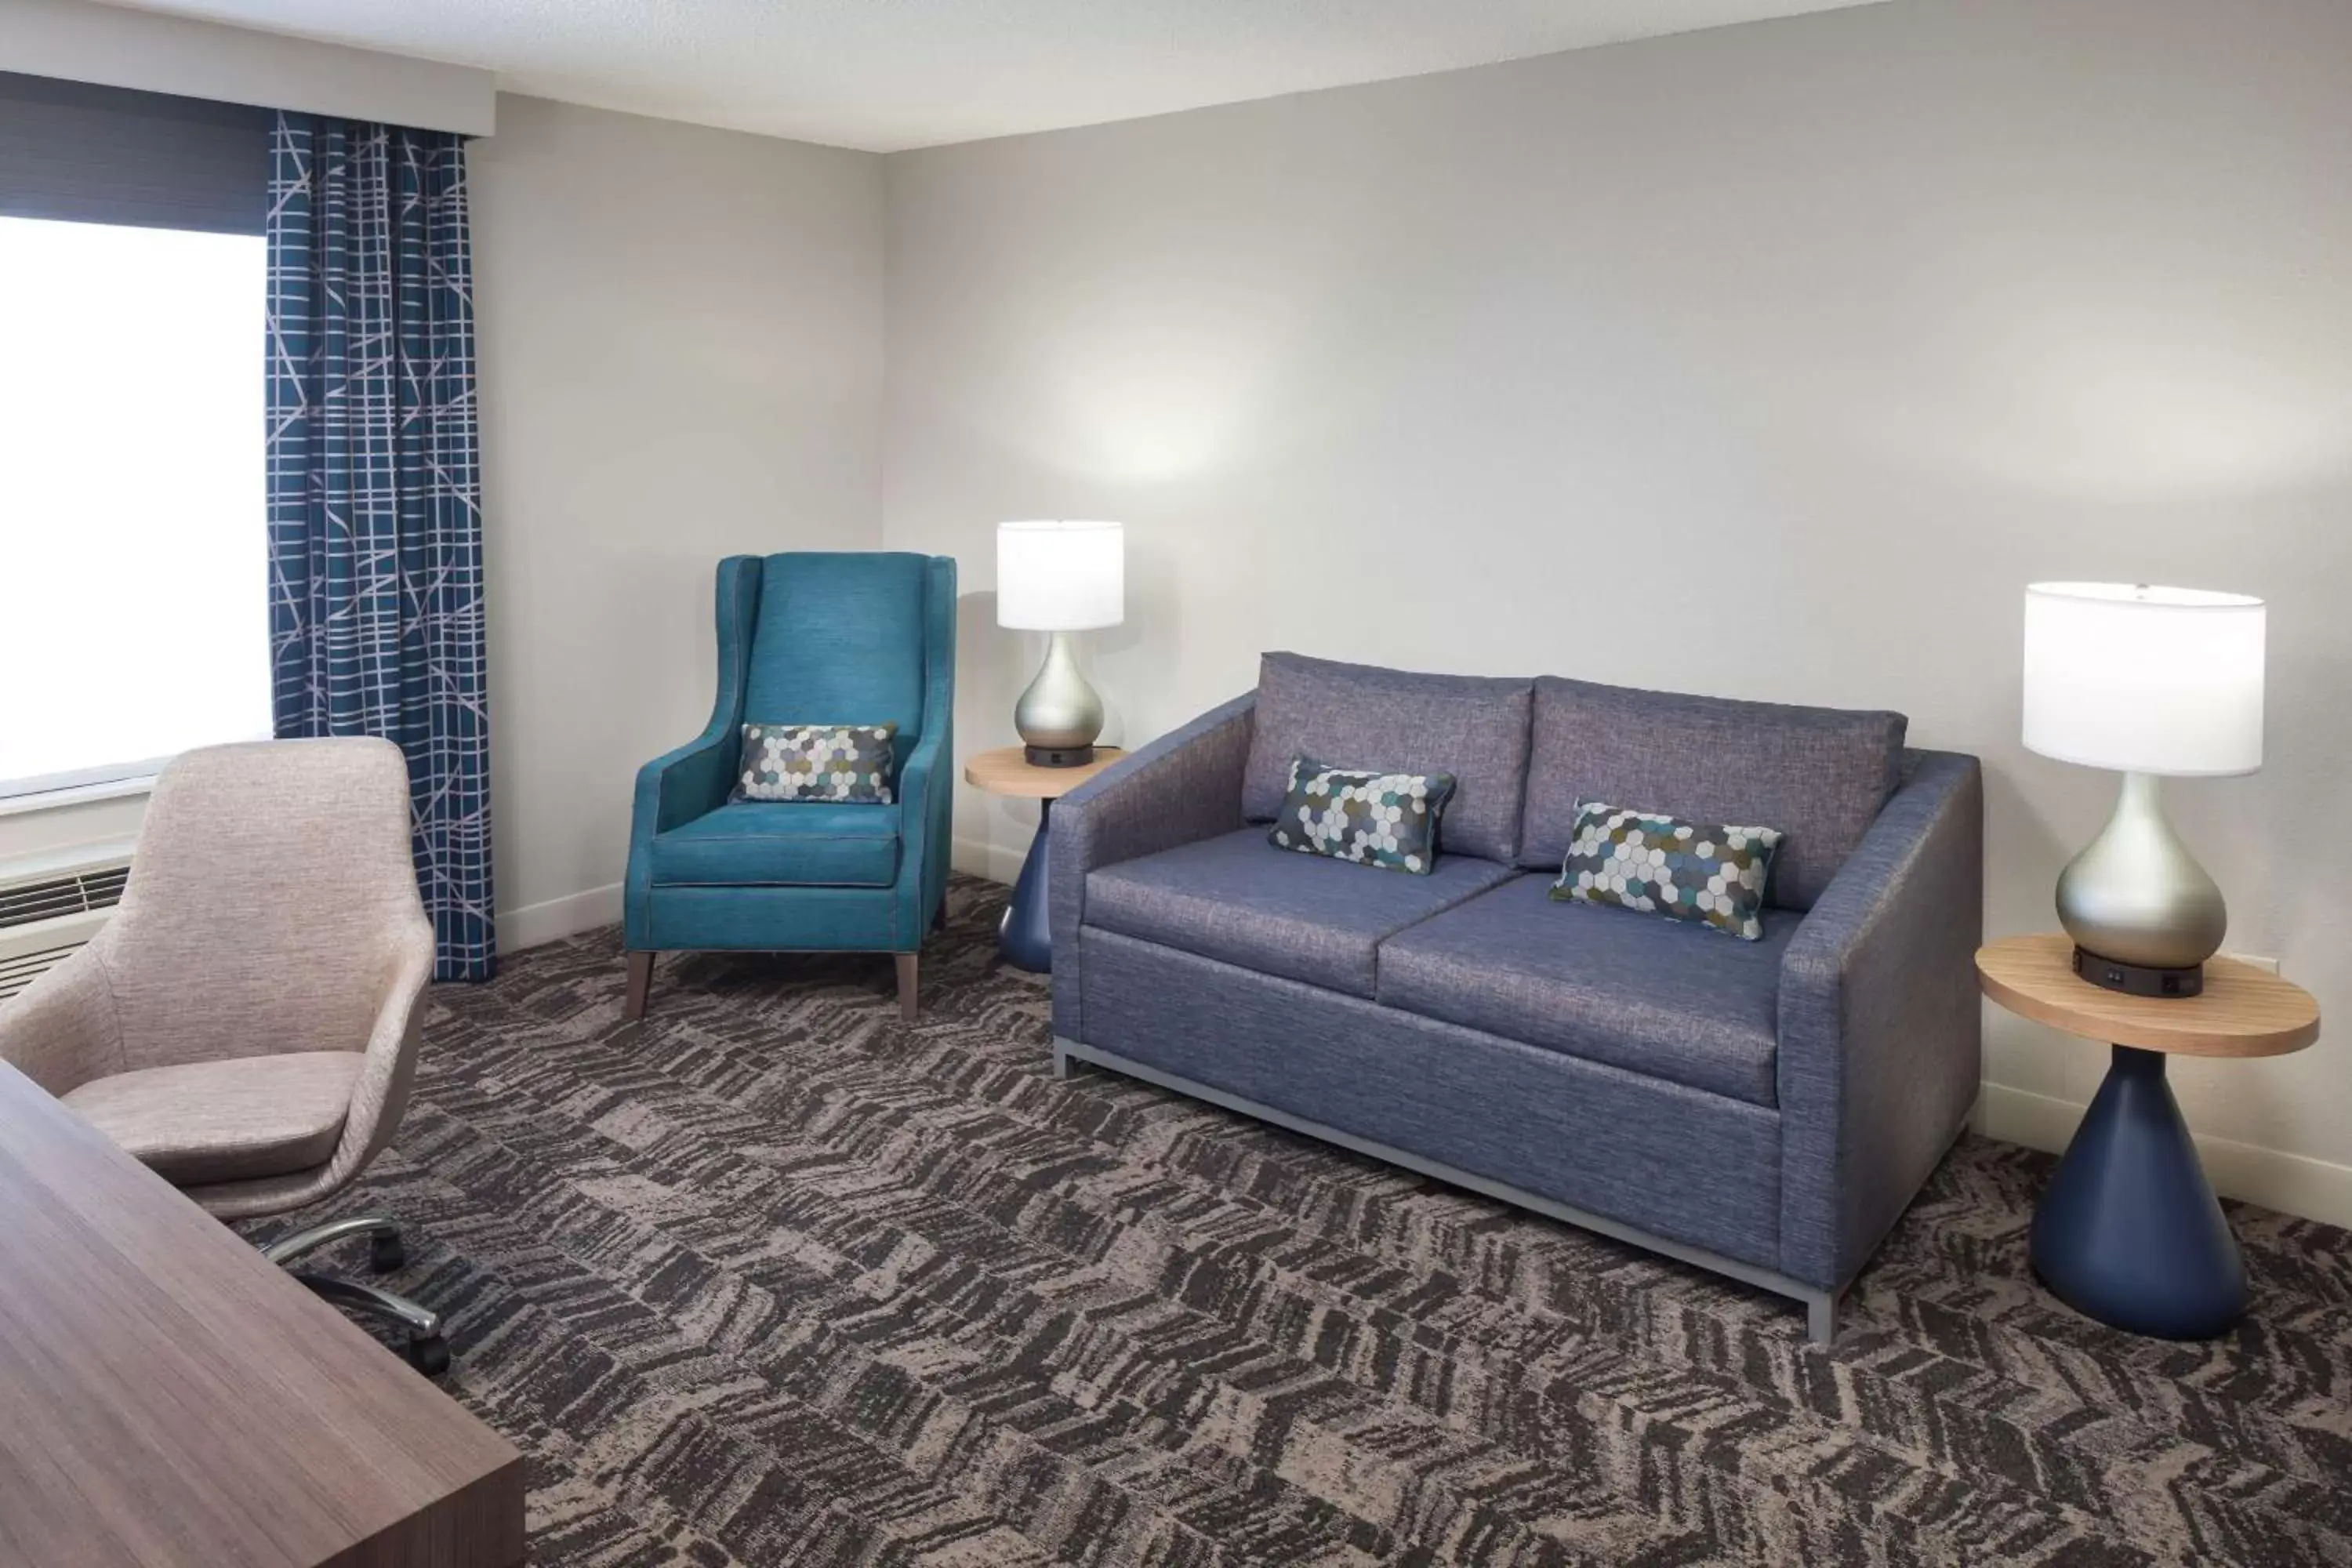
x=839 y=763
x=1682 y=871
x=1375 y=820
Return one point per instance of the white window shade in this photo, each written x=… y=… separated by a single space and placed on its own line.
x=134 y=570
x=2144 y=679
x=1060 y=577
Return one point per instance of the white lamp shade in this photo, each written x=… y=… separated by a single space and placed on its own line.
x=2142 y=679
x=1060 y=577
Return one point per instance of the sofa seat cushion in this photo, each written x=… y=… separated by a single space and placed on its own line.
x=1237 y=899
x=200 y=1122
x=1666 y=998
x=781 y=844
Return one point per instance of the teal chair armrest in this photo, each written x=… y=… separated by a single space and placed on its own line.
x=680 y=785
x=927 y=783
x=692 y=781
x=916 y=781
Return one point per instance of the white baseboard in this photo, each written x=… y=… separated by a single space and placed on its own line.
x=559 y=918
x=997 y=862
x=2291 y=1183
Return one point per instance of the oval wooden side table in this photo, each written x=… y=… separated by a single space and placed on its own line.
x=2128 y=1231
x=1024 y=936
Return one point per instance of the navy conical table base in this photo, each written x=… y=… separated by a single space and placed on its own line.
x=1025 y=937
x=2128 y=1230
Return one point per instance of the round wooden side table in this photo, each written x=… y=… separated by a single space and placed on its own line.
x=2128 y=1231
x=1025 y=937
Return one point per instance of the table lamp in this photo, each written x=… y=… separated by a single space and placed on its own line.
x=2147 y=681
x=1060 y=577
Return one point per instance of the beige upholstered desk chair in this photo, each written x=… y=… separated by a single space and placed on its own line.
x=245 y=1023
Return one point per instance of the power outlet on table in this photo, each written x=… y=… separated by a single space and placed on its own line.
x=2262 y=962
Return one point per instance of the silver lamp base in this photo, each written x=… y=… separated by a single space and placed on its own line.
x=2144 y=915
x=1060 y=715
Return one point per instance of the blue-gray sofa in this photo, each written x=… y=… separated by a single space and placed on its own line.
x=1764 y=1109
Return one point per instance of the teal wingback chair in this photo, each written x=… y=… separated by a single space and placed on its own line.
x=807 y=639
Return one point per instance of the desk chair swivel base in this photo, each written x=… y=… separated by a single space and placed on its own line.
x=428 y=1353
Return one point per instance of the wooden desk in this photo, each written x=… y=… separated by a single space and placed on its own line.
x=170 y=1399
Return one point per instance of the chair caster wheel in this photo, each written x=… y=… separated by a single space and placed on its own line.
x=385 y=1254
x=429 y=1355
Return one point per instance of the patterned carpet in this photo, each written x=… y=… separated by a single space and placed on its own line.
x=774 y=1279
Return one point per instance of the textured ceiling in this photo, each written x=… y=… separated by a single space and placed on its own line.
x=890 y=74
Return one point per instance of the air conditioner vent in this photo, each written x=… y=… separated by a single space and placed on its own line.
x=105 y=888
x=52 y=904
x=82 y=893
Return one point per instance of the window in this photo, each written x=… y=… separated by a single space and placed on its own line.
x=134 y=540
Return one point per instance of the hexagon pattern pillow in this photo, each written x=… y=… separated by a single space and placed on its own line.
x=1388 y=820
x=843 y=764
x=1684 y=871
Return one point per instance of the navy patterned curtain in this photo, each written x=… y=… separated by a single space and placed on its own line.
x=376 y=520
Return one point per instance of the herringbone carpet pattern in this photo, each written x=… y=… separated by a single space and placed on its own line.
x=774 y=1279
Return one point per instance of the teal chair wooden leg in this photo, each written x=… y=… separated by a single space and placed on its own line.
x=908 y=964
x=641 y=983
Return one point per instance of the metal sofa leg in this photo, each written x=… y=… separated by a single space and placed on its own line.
x=907 y=964
x=1061 y=1059
x=1820 y=1317
x=641 y=983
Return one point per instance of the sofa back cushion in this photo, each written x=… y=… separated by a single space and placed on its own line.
x=1391 y=721
x=1818 y=775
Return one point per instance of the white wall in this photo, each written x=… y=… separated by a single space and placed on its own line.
x=1770 y=361
x=681 y=358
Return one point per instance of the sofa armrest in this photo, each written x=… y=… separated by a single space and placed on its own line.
x=1880 y=1027
x=1183 y=787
